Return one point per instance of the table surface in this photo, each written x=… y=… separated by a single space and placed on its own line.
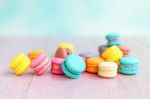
x=89 y=86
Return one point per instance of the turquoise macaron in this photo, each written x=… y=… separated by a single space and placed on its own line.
x=129 y=65
x=73 y=66
x=112 y=35
x=113 y=39
x=117 y=43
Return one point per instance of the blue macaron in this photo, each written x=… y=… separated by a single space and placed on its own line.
x=129 y=65
x=112 y=35
x=113 y=39
x=117 y=43
x=73 y=66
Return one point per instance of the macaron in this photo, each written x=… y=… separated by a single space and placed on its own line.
x=102 y=48
x=85 y=56
x=92 y=64
x=118 y=63
x=113 y=39
x=125 y=50
x=129 y=65
x=73 y=66
x=66 y=45
x=112 y=53
x=20 y=64
x=62 y=52
x=56 y=65
x=40 y=64
x=33 y=54
x=107 y=69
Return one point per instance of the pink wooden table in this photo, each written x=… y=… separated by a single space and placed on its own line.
x=89 y=86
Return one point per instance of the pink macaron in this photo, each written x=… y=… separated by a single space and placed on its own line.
x=56 y=65
x=125 y=50
x=40 y=64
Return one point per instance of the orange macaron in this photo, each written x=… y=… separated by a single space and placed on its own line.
x=34 y=53
x=93 y=63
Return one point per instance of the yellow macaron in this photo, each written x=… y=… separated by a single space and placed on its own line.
x=112 y=53
x=66 y=45
x=92 y=64
x=20 y=64
x=107 y=69
x=33 y=54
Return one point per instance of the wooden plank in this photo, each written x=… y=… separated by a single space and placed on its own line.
x=12 y=86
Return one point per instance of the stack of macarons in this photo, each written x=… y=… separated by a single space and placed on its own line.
x=113 y=57
x=116 y=54
x=63 y=50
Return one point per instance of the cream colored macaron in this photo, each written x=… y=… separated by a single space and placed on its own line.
x=107 y=69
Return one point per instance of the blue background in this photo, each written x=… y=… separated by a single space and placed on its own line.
x=74 y=17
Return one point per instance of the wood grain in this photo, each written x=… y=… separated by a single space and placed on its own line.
x=89 y=86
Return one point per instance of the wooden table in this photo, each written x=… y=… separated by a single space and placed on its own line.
x=89 y=86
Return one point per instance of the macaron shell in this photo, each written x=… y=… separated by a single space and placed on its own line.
x=108 y=75
x=109 y=50
x=68 y=73
x=75 y=64
x=114 y=43
x=128 y=72
x=129 y=60
x=94 y=61
x=66 y=45
x=57 y=61
x=108 y=65
x=112 y=35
